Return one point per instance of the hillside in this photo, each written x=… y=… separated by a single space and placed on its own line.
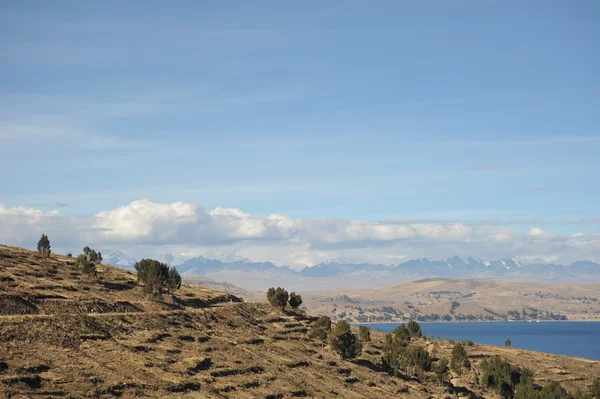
x=460 y=299
x=65 y=335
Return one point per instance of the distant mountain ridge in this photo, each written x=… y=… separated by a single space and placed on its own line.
x=337 y=274
x=451 y=267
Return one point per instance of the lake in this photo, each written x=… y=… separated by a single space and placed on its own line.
x=580 y=339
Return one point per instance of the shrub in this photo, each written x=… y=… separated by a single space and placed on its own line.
x=92 y=255
x=414 y=329
x=173 y=280
x=364 y=334
x=86 y=265
x=417 y=358
x=554 y=391
x=343 y=341
x=508 y=342
x=321 y=328
x=295 y=300
x=153 y=274
x=596 y=388
x=401 y=334
x=440 y=368
x=459 y=361
x=501 y=375
x=43 y=246
x=278 y=297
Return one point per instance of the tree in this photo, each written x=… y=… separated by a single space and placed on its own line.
x=343 y=341
x=92 y=255
x=173 y=280
x=414 y=329
x=416 y=358
x=153 y=274
x=596 y=388
x=554 y=391
x=440 y=368
x=278 y=297
x=459 y=361
x=43 y=246
x=501 y=375
x=295 y=300
x=508 y=342
x=320 y=329
x=402 y=334
x=364 y=334
x=86 y=266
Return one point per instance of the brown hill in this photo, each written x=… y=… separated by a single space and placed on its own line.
x=65 y=335
x=461 y=299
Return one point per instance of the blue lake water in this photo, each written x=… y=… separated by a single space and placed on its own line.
x=580 y=339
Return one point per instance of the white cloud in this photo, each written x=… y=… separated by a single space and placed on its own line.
x=144 y=228
x=536 y=232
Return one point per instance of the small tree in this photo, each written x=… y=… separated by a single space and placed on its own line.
x=459 y=361
x=440 y=368
x=43 y=246
x=295 y=300
x=174 y=280
x=364 y=334
x=320 y=329
x=343 y=341
x=416 y=358
x=401 y=334
x=278 y=297
x=414 y=329
x=88 y=267
x=508 y=342
x=92 y=255
x=153 y=274
x=554 y=390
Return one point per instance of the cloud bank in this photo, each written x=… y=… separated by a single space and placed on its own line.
x=144 y=228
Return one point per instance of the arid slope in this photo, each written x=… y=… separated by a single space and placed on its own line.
x=65 y=335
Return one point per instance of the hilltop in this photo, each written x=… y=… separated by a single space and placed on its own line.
x=63 y=334
x=461 y=299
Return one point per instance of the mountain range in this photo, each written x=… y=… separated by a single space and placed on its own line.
x=337 y=275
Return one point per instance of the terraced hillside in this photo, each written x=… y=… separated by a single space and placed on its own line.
x=65 y=335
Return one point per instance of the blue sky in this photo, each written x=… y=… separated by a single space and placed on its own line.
x=466 y=111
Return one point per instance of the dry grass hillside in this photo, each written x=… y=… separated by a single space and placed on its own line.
x=65 y=335
x=460 y=299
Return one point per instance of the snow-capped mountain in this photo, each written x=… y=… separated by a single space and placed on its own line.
x=225 y=256
x=118 y=258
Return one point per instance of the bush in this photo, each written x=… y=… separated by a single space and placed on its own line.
x=153 y=274
x=459 y=361
x=93 y=256
x=401 y=334
x=414 y=329
x=416 y=357
x=321 y=328
x=43 y=246
x=344 y=342
x=501 y=375
x=508 y=342
x=596 y=388
x=295 y=300
x=440 y=368
x=364 y=334
x=277 y=297
x=173 y=280
x=86 y=265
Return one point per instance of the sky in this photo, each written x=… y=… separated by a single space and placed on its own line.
x=299 y=132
